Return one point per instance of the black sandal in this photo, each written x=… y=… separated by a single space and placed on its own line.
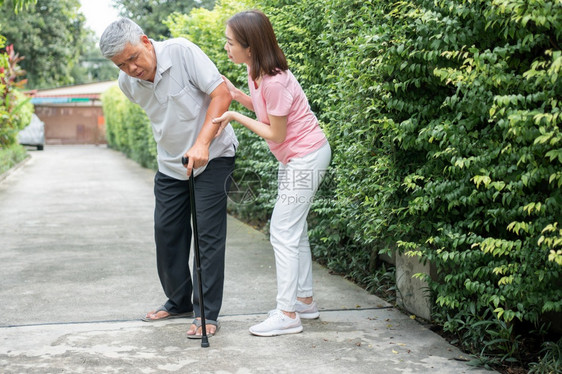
x=169 y=316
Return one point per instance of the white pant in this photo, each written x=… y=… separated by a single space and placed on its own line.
x=298 y=182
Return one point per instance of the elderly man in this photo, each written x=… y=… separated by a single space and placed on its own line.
x=181 y=91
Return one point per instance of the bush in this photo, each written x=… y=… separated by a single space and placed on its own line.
x=15 y=108
x=11 y=156
x=128 y=129
x=476 y=102
x=446 y=133
x=551 y=359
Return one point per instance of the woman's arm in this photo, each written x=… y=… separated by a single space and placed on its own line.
x=238 y=95
x=276 y=131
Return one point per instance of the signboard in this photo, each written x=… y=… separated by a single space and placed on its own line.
x=59 y=100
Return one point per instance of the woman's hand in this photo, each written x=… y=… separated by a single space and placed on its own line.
x=238 y=95
x=223 y=121
x=231 y=88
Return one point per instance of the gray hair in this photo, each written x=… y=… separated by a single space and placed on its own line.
x=117 y=35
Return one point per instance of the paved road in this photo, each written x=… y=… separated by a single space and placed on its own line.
x=78 y=270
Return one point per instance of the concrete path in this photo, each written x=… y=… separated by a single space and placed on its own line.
x=78 y=270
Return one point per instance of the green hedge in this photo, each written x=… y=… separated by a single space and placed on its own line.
x=128 y=129
x=444 y=120
x=15 y=109
x=15 y=113
x=11 y=156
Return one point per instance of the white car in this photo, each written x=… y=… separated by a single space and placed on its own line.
x=33 y=134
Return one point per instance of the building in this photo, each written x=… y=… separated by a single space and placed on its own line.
x=73 y=114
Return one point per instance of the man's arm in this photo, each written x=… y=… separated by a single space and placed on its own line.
x=199 y=154
x=238 y=95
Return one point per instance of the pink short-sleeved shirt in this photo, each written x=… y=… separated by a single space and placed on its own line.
x=281 y=95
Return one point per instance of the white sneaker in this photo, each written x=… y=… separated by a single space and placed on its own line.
x=277 y=323
x=307 y=311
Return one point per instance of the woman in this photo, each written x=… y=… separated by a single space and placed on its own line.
x=291 y=130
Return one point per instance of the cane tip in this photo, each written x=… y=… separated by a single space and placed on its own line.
x=205 y=342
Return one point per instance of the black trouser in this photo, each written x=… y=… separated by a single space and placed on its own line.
x=172 y=227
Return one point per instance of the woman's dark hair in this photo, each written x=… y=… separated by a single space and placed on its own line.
x=253 y=29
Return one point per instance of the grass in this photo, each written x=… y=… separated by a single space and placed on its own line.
x=11 y=156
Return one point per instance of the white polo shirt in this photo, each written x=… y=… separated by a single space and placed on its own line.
x=176 y=103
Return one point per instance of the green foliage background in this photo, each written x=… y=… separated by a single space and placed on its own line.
x=128 y=129
x=50 y=34
x=149 y=14
x=15 y=108
x=444 y=121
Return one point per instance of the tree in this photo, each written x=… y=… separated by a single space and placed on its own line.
x=150 y=14
x=50 y=34
x=92 y=66
x=18 y=5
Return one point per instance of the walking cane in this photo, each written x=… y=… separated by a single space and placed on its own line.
x=191 y=183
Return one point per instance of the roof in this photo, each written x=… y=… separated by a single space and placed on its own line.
x=82 y=93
